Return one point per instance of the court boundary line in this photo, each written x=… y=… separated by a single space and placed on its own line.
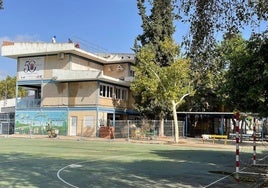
x=233 y=174
x=81 y=162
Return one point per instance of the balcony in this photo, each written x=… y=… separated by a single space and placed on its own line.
x=28 y=103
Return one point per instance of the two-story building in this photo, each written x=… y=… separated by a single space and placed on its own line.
x=73 y=90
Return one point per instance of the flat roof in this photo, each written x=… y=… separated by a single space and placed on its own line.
x=214 y=114
x=25 y=49
x=217 y=114
x=207 y=113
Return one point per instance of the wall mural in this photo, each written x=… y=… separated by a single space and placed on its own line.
x=35 y=122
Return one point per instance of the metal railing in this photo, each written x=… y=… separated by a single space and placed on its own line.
x=28 y=103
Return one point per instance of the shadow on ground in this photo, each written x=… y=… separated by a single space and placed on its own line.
x=151 y=166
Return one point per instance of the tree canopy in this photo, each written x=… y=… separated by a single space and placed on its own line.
x=161 y=87
x=208 y=21
x=156 y=26
x=8 y=88
x=207 y=18
x=1 y=4
x=247 y=76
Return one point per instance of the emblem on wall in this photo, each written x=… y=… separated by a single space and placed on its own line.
x=30 y=66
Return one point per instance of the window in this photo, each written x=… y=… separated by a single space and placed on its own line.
x=109 y=91
x=102 y=90
x=124 y=94
x=106 y=91
x=118 y=93
x=121 y=93
x=132 y=72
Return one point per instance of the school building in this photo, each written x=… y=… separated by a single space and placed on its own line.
x=69 y=88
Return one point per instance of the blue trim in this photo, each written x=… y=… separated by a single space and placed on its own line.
x=88 y=108
x=105 y=109
x=41 y=109
x=31 y=82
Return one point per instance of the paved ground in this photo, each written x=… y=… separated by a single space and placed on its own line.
x=223 y=176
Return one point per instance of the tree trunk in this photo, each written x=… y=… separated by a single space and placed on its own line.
x=161 y=126
x=174 y=110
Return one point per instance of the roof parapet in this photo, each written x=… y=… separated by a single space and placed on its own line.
x=7 y=43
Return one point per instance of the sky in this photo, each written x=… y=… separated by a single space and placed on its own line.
x=98 y=25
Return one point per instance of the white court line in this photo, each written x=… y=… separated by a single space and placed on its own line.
x=232 y=174
x=70 y=165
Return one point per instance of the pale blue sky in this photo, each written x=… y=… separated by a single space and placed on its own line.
x=105 y=25
x=99 y=25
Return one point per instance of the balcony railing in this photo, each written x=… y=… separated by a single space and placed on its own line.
x=28 y=103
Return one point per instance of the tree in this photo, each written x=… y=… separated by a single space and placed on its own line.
x=8 y=88
x=247 y=78
x=208 y=20
x=162 y=85
x=157 y=27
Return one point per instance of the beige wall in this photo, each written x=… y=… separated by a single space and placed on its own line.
x=131 y=100
x=113 y=103
x=55 y=94
x=108 y=102
x=72 y=94
x=55 y=62
x=113 y=71
x=82 y=64
x=79 y=94
x=86 y=123
x=82 y=93
x=79 y=64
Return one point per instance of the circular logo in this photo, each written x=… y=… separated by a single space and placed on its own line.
x=30 y=66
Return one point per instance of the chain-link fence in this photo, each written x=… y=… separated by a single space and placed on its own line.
x=6 y=123
x=120 y=129
x=145 y=129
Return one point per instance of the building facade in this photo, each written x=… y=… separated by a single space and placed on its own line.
x=7 y=115
x=69 y=88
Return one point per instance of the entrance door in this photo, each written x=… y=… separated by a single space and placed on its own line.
x=73 y=126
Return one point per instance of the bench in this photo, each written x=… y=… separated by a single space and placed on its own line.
x=246 y=136
x=214 y=136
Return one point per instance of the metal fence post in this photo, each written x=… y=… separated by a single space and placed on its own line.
x=183 y=129
x=8 y=128
x=155 y=130
x=128 y=130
